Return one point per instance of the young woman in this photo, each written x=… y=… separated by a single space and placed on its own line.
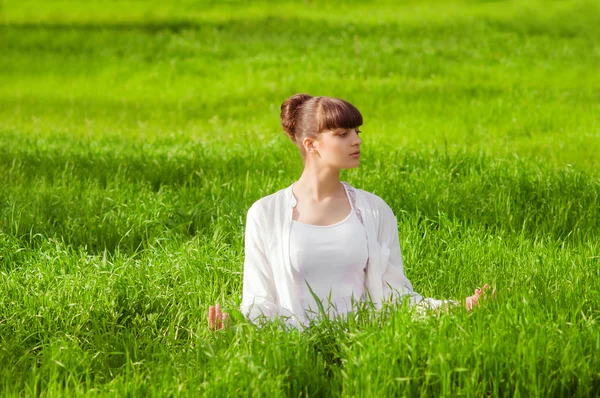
x=321 y=238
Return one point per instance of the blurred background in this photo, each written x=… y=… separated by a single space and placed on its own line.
x=500 y=77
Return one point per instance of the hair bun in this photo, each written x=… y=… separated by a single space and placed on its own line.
x=289 y=109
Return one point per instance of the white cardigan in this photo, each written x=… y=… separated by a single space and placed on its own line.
x=268 y=287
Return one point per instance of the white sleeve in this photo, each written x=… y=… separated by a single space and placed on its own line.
x=395 y=282
x=259 y=295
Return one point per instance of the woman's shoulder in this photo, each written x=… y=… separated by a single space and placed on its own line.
x=372 y=199
x=271 y=203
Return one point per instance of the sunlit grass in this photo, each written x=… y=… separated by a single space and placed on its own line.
x=134 y=137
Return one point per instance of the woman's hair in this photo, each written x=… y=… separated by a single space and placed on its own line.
x=305 y=116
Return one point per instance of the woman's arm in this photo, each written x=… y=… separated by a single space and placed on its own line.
x=259 y=296
x=395 y=282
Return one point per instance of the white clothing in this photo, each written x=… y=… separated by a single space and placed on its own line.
x=332 y=260
x=270 y=287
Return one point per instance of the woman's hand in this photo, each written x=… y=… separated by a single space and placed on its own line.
x=472 y=301
x=217 y=319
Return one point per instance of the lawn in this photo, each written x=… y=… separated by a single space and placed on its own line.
x=135 y=135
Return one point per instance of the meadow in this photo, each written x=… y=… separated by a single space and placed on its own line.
x=134 y=136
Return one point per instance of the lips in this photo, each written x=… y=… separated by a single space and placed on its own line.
x=355 y=153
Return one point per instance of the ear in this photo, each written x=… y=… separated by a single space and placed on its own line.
x=309 y=144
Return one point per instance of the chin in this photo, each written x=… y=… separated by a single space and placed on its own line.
x=345 y=165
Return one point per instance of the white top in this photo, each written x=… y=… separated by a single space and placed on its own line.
x=270 y=287
x=331 y=260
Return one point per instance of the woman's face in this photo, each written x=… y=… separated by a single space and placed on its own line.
x=339 y=148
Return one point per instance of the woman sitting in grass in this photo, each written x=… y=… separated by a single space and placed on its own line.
x=321 y=238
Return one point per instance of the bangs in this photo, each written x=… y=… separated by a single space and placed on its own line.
x=337 y=113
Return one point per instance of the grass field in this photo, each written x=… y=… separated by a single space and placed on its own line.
x=134 y=136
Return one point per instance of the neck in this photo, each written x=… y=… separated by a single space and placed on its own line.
x=319 y=183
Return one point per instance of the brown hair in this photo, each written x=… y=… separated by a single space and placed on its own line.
x=305 y=116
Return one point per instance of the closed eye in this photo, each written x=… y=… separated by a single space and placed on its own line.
x=345 y=134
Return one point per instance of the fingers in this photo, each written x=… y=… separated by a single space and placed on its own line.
x=216 y=317
x=485 y=287
x=211 y=317
x=225 y=319
x=219 y=316
x=473 y=300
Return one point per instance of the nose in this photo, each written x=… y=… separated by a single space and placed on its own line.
x=357 y=140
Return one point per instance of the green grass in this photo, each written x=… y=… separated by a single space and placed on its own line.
x=135 y=135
